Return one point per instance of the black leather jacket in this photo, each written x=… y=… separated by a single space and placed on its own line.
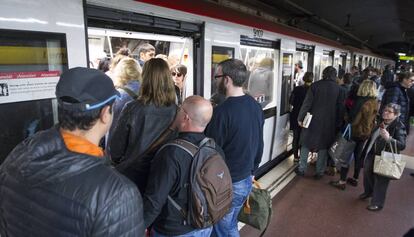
x=138 y=127
x=47 y=190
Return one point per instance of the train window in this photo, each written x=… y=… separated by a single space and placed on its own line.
x=287 y=82
x=327 y=59
x=30 y=65
x=175 y=50
x=301 y=66
x=108 y=42
x=261 y=64
x=218 y=54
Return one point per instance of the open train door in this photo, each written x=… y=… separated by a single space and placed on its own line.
x=178 y=42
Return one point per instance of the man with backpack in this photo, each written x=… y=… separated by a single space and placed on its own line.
x=237 y=127
x=189 y=186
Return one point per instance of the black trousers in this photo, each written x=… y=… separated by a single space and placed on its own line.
x=374 y=184
x=295 y=142
x=358 y=161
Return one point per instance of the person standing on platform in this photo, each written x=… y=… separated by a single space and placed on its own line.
x=390 y=131
x=170 y=174
x=325 y=102
x=397 y=94
x=296 y=100
x=362 y=119
x=58 y=182
x=237 y=127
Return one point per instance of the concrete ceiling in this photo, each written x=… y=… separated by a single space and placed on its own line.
x=384 y=26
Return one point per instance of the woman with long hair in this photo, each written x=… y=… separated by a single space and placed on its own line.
x=362 y=119
x=142 y=121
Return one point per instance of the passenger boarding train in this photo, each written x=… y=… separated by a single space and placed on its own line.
x=40 y=39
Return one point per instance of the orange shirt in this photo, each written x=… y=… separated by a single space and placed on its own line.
x=81 y=145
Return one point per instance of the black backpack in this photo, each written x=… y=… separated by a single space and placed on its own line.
x=210 y=192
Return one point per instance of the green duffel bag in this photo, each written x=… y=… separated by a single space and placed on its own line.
x=257 y=210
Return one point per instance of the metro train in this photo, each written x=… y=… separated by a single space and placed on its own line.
x=40 y=39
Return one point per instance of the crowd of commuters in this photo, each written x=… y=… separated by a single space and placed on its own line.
x=103 y=169
x=375 y=107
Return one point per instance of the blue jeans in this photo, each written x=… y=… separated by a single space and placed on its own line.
x=320 y=163
x=228 y=225
x=206 y=232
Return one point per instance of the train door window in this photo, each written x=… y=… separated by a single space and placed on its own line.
x=287 y=82
x=175 y=50
x=360 y=63
x=300 y=66
x=343 y=65
x=30 y=66
x=218 y=54
x=317 y=67
x=261 y=58
x=327 y=59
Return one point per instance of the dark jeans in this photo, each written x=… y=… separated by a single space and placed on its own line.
x=295 y=142
x=358 y=161
x=374 y=184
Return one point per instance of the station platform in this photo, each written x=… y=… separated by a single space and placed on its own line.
x=308 y=207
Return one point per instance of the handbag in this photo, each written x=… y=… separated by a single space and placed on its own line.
x=389 y=164
x=342 y=149
x=257 y=209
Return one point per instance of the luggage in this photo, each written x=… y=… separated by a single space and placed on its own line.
x=257 y=210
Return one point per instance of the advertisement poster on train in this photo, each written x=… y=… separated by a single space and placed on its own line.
x=24 y=86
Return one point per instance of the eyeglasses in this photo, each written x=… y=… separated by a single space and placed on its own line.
x=218 y=76
x=176 y=74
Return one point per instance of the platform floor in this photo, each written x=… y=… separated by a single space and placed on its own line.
x=307 y=207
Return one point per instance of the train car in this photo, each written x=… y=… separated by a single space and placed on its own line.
x=41 y=39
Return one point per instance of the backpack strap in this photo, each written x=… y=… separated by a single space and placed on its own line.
x=187 y=146
x=191 y=149
x=129 y=92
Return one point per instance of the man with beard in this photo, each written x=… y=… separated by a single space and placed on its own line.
x=237 y=127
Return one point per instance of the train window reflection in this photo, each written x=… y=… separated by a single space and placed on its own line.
x=287 y=82
x=261 y=84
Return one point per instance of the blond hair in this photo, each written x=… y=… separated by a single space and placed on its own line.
x=157 y=85
x=367 y=88
x=116 y=60
x=126 y=70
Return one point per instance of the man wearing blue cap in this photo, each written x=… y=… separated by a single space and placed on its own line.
x=58 y=182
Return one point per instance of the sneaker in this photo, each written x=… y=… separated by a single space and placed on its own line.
x=352 y=182
x=374 y=208
x=338 y=185
x=296 y=159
